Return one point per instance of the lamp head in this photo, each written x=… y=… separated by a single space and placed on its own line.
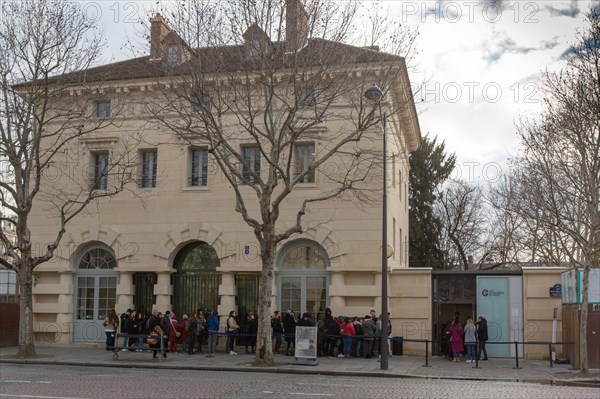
x=374 y=93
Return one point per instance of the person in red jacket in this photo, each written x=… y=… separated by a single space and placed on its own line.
x=347 y=332
x=173 y=333
x=181 y=327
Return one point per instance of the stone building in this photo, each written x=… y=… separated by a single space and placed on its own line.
x=174 y=240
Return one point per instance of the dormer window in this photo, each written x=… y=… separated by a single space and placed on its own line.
x=172 y=54
x=255 y=48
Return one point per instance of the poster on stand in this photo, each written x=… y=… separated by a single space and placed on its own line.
x=306 y=346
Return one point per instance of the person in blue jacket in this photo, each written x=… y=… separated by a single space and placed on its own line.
x=213 y=329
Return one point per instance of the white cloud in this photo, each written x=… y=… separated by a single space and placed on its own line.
x=492 y=53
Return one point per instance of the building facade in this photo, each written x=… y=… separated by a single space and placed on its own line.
x=173 y=240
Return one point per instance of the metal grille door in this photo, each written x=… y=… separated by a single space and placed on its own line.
x=192 y=291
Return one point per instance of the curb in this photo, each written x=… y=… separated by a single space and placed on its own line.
x=281 y=370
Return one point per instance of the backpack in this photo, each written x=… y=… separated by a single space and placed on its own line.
x=343 y=329
x=359 y=330
x=331 y=327
x=124 y=317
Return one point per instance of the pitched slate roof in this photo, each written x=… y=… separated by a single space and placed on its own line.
x=317 y=52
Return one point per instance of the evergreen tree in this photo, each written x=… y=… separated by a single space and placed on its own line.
x=430 y=166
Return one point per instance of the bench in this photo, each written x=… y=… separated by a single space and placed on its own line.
x=162 y=350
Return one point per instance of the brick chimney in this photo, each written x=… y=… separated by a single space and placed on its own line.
x=158 y=30
x=296 y=25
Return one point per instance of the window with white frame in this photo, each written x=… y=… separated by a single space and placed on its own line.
x=148 y=168
x=8 y=282
x=251 y=166
x=198 y=167
x=255 y=48
x=172 y=54
x=304 y=158
x=201 y=103
x=100 y=167
x=103 y=109
x=306 y=96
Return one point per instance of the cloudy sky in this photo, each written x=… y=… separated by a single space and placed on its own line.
x=481 y=61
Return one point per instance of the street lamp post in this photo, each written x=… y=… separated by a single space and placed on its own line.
x=375 y=94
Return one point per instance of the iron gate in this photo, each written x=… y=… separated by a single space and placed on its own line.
x=195 y=290
x=143 y=296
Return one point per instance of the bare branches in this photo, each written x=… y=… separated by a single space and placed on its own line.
x=276 y=98
x=49 y=115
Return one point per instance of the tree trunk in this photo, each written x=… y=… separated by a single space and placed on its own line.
x=264 y=348
x=26 y=342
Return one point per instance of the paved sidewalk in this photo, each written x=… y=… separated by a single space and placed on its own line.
x=399 y=366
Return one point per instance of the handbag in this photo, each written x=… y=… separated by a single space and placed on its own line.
x=177 y=333
x=152 y=341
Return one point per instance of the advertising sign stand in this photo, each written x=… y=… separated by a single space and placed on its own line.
x=306 y=346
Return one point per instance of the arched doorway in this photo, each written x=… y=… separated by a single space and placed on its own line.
x=95 y=291
x=196 y=282
x=302 y=279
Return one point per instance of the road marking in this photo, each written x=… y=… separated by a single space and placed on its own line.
x=45 y=382
x=312 y=394
x=36 y=396
x=18 y=381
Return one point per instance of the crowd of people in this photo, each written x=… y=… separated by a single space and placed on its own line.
x=339 y=336
x=467 y=339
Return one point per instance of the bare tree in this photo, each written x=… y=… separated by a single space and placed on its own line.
x=259 y=80
x=41 y=118
x=558 y=172
x=462 y=211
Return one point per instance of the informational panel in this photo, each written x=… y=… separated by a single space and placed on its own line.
x=493 y=303
x=593 y=286
x=306 y=346
x=572 y=291
x=569 y=287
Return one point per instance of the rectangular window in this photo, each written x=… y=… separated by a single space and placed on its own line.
x=405 y=196
x=255 y=48
x=199 y=167
x=100 y=179
x=305 y=156
x=148 y=168
x=251 y=167
x=400 y=183
x=201 y=104
x=8 y=282
x=103 y=109
x=172 y=56
x=394 y=168
x=400 y=248
x=394 y=236
x=306 y=97
x=406 y=250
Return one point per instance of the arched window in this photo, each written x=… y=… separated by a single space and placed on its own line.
x=302 y=279
x=197 y=256
x=303 y=254
x=196 y=283
x=95 y=284
x=97 y=258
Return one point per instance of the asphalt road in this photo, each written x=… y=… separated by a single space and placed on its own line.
x=67 y=382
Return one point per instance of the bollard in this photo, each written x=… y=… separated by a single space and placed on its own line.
x=517 y=354
x=426 y=354
x=550 y=354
